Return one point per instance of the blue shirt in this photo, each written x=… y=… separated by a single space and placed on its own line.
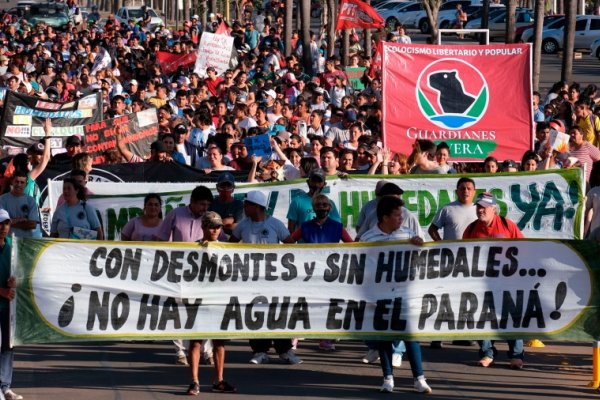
x=329 y=232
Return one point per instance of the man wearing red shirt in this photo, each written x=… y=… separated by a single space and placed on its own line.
x=491 y=225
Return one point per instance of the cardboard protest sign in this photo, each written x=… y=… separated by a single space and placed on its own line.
x=259 y=145
x=558 y=141
x=23 y=117
x=544 y=204
x=214 y=51
x=495 y=289
x=140 y=130
x=459 y=95
x=355 y=75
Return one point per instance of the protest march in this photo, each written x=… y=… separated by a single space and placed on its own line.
x=210 y=182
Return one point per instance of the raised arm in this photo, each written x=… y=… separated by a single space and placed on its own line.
x=39 y=169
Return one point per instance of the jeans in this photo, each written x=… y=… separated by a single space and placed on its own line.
x=263 y=345
x=515 y=349
x=386 y=351
x=399 y=346
x=6 y=352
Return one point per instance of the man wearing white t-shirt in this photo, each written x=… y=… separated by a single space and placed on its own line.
x=454 y=218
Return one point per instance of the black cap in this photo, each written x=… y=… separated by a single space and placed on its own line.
x=180 y=128
x=36 y=148
x=158 y=147
x=390 y=189
x=73 y=140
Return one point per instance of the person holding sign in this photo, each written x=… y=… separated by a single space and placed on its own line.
x=491 y=225
x=75 y=219
x=453 y=219
x=212 y=226
x=389 y=227
x=259 y=227
x=322 y=229
x=8 y=286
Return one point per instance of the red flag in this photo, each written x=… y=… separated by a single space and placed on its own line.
x=356 y=14
x=170 y=61
x=222 y=29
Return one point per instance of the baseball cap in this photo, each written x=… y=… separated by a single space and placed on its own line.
x=390 y=188
x=180 y=128
x=317 y=173
x=133 y=82
x=73 y=140
x=509 y=164
x=271 y=93
x=284 y=135
x=319 y=90
x=4 y=215
x=486 y=199
x=36 y=148
x=195 y=16
x=557 y=125
x=291 y=77
x=226 y=177
x=350 y=115
x=158 y=147
x=256 y=197
x=211 y=219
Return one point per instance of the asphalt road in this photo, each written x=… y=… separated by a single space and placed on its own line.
x=145 y=371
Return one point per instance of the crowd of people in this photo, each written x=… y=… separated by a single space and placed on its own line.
x=319 y=125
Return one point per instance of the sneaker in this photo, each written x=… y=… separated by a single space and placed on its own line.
x=326 y=345
x=10 y=395
x=290 y=357
x=194 y=389
x=223 y=387
x=421 y=385
x=371 y=357
x=260 y=358
x=515 y=363
x=486 y=361
x=182 y=360
x=397 y=360
x=388 y=385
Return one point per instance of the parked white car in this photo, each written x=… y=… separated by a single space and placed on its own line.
x=587 y=30
x=497 y=23
x=399 y=12
x=556 y=23
x=136 y=13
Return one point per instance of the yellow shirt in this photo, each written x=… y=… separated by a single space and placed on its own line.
x=589 y=133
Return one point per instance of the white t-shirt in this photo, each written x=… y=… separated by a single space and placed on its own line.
x=271 y=230
x=454 y=218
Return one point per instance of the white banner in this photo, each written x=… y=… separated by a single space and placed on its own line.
x=543 y=204
x=213 y=51
x=106 y=290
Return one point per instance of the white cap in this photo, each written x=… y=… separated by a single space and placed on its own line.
x=4 y=215
x=271 y=93
x=195 y=16
x=133 y=82
x=256 y=197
